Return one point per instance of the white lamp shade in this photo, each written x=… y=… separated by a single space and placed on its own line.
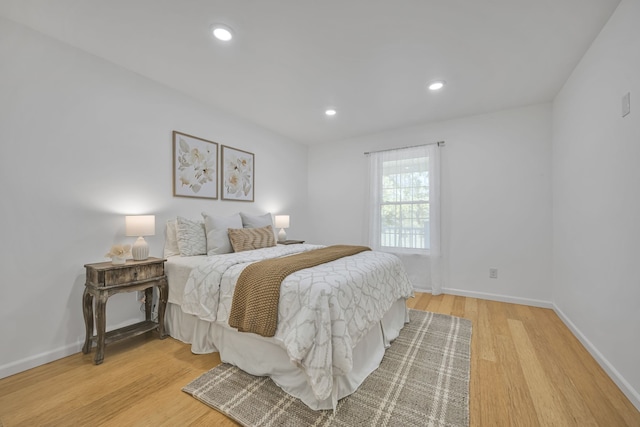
x=282 y=221
x=140 y=225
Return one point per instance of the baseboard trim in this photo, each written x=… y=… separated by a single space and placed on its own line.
x=52 y=355
x=623 y=385
x=493 y=297
x=40 y=359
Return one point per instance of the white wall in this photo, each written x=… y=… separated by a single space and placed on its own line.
x=496 y=175
x=596 y=199
x=84 y=142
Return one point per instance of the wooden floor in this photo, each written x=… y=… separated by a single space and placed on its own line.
x=527 y=369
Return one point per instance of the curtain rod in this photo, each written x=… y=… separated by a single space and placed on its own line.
x=439 y=144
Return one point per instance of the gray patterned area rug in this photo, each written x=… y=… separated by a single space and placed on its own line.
x=423 y=380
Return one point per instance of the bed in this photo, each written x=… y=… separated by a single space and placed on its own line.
x=334 y=320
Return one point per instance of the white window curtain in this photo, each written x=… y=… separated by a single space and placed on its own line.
x=404 y=210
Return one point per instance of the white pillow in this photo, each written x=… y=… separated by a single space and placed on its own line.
x=192 y=239
x=217 y=232
x=256 y=221
x=171 y=239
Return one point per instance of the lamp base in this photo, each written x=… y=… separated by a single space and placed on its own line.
x=282 y=235
x=140 y=249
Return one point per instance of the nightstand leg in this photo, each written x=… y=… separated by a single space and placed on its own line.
x=148 y=301
x=87 y=311
x=163 y=296
x=101 y=320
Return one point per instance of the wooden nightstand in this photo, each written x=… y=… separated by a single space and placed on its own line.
x=105 y=279
x=291 y=242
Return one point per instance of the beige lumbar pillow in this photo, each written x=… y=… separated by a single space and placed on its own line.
x=245 y=239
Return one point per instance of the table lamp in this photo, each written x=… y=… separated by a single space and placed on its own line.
x=140 y=225
x=282 y=222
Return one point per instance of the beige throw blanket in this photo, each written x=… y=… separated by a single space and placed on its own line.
x=257 y=292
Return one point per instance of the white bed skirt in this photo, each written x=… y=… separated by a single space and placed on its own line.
x=266 y=357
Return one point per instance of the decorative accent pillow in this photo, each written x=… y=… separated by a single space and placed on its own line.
x=192 y=239
x=245 y=239
x=256 y=221
x=217 y=235
x=171 y=239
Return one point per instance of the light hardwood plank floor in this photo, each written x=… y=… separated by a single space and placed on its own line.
x=527 y=369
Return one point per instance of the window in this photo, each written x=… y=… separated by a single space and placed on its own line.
x=404 y=210
x=401 y=197
x=404 y=203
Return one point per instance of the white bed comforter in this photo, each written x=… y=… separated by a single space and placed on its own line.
x=324 y=311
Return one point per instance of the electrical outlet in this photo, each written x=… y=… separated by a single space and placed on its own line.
x=493 y=273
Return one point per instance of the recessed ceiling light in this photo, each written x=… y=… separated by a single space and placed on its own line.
x=222 y=32
x=436 y=85
x=330 y=112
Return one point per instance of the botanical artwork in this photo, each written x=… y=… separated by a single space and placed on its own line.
x=195 y=167
x=237 y=174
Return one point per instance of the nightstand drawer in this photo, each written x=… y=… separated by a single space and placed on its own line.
x=134 y=273
x=110 y=275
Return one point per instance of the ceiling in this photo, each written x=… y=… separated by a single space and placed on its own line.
x=369 y=59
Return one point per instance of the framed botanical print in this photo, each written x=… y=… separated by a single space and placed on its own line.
x=195 y=167
x=237 y=174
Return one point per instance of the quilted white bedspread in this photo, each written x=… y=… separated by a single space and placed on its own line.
x=324 y=311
